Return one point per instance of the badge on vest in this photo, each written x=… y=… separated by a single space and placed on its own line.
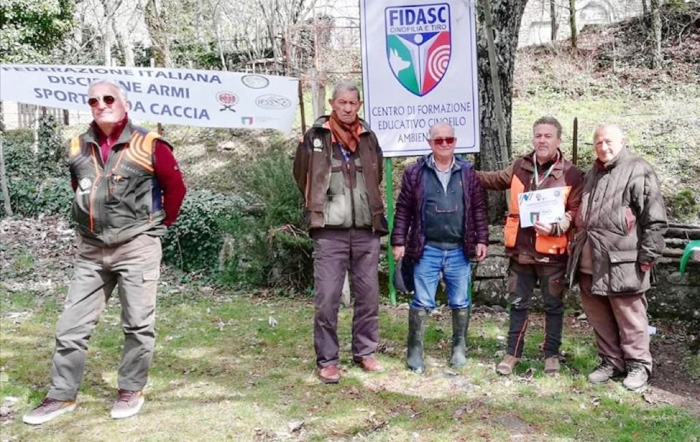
x=85 y=183
x=318 y=145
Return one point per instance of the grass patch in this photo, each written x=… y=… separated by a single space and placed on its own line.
x=222 y=371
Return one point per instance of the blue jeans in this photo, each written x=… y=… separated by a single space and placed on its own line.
x=456 y=270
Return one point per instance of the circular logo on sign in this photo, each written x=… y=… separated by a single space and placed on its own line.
x=255 y=81
x=557 y=193
x=227 y=99
x=273 y=102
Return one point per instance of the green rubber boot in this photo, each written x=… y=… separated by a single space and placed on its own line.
x=460 y=326
x=416 y=327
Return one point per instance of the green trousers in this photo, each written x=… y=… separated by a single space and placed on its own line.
x=133 y=267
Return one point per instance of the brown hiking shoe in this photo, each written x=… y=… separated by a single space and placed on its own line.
x=506 y=366
x=127 y=404
x=603 y=373
x=551 y=365
x=370 y=364
x=329 y=374
x=637 y=377
x=47 y=410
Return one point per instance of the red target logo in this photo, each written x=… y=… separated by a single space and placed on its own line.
x=438 y=61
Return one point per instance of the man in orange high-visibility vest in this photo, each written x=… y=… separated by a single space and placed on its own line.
x=538 y=252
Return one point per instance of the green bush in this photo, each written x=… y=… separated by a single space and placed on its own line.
x=19 y=158
x=194 y=241
x=267 y=245
x=32 y=196
x=38 y=182
x=684 y=206
x=51 y=147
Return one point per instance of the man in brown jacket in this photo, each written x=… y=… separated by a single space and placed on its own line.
x=619 y=237
x=338 y=168
x=538 y=252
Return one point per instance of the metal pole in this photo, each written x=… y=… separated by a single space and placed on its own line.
x=390 y=216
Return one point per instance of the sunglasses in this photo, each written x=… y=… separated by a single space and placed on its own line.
x=107 y=100
x=448 y=140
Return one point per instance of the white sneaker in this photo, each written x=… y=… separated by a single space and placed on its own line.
x=47 y=410
x=127 y=404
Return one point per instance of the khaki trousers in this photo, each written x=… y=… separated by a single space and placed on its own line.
x=336 y=251
x=135 y=268
x=620 y=324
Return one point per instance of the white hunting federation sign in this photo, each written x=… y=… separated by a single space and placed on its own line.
x=419 y=68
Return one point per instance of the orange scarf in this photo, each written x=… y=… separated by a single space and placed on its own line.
x=346 y=133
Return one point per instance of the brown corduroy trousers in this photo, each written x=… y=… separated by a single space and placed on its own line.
x=335 y=252
x=620 y=324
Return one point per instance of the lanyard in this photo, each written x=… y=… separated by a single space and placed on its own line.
x=535 y=177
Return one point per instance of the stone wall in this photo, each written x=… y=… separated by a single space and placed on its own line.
x=674 y=295
x=536 y=26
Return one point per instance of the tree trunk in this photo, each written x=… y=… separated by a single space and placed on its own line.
x=3 y=183
x=553 y=17
x=107 y=40
x=127 y=47
x=645 y=11
x=157 y=30
x=572 y=23
x=108 y=34
x=655 y=34
x=507 y=15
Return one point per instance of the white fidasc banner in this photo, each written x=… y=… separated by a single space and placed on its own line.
x=172 y=96
x=419 y=68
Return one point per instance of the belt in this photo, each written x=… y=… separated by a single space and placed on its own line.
x=444 y=245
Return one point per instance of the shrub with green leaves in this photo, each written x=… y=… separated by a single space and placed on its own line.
x=38 y=181
x=267 y=245
x=32 y=196
x=194 y=241
x=685 y=206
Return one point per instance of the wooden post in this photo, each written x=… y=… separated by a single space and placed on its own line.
x=574 y=152
x=35 y=130
x=160 y=126
x=301 y=108
x=495 y=80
